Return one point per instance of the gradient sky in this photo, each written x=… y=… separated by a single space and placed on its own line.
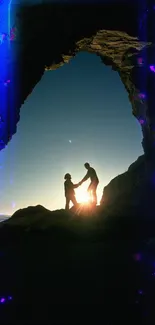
x=85 y=102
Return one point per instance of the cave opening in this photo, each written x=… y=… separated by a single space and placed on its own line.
x=114 y=41
x=77 y=113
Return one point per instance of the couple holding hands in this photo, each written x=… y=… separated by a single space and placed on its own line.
x=69 y=186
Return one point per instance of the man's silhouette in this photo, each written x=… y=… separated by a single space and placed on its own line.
x=69 y=191
x=94 y=182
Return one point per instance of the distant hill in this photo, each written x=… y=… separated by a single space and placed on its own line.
x=4 y=217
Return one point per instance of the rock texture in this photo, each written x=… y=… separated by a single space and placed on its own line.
x=49 y=35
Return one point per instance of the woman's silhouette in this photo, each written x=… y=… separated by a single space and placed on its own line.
x=69 y=191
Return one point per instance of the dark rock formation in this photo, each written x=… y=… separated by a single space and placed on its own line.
x=36 y=217
x=49 y=35
x=63 y=270
x=127 y=186
x=131 y=193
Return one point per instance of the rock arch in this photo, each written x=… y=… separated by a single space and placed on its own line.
x=50 y=35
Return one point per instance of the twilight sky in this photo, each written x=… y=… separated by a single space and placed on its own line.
x=85 y=102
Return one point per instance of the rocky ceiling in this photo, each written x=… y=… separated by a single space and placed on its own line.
x=48 y=36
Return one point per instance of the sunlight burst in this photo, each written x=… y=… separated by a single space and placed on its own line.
x=82 y=196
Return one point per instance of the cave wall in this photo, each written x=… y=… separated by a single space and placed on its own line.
x=49 y=35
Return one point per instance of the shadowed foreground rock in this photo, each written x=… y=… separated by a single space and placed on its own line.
x=67 y=269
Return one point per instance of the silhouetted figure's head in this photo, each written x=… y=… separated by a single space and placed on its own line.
x=87 y=166
x=67 y=176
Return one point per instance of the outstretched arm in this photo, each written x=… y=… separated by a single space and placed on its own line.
x=76 y=185
x=84 y=178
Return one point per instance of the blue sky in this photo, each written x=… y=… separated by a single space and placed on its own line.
x=85 y=102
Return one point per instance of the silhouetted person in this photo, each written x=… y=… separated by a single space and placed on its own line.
x=94 y=182
x=69 y=191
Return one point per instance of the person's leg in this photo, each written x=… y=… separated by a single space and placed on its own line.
x=94 y=194
x=89 y=190
x=67 y=203
x=73 y=199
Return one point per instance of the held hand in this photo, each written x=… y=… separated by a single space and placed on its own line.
x=76 y=185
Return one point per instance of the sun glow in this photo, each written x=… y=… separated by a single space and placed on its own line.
x=82 y=196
